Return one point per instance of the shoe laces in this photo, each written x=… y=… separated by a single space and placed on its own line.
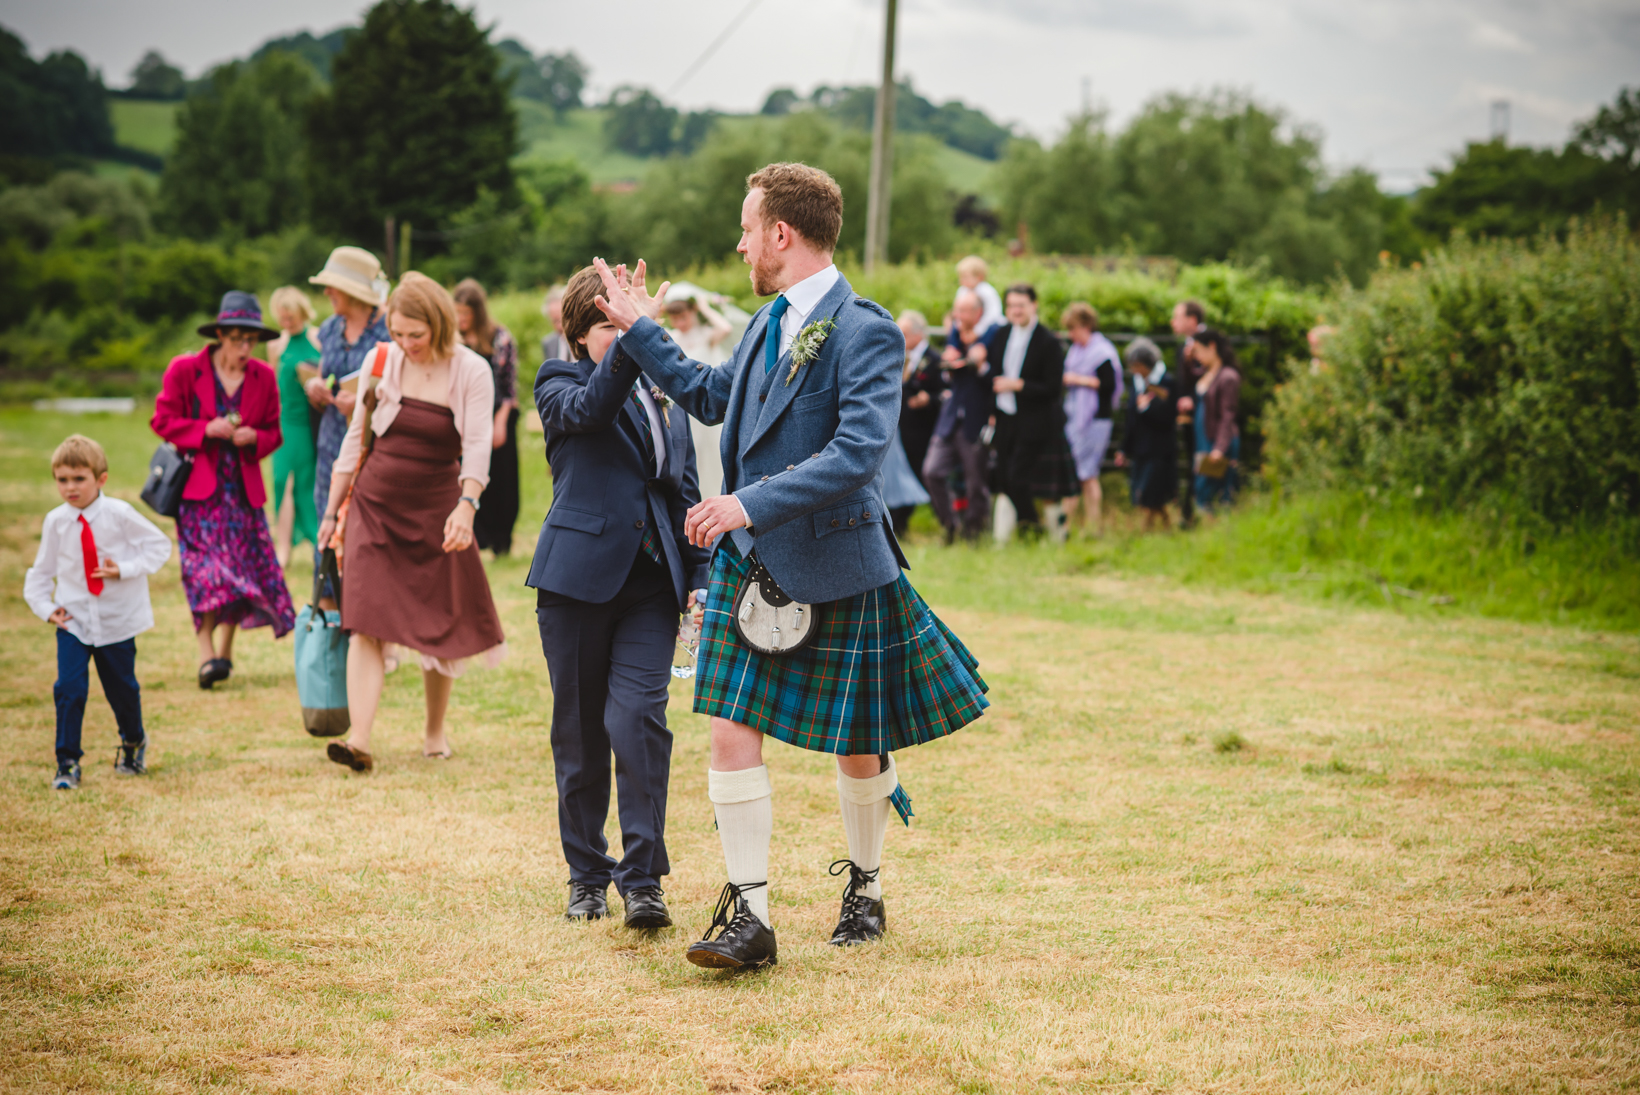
x=732 y=914
x=578 y=890
x=855 y=902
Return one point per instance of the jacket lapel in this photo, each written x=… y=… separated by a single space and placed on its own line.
x=780 y=393
x=205 y=388
x=746 y=357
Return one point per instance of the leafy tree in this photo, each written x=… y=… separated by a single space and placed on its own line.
x=156 y=78
x=638 y=122
x=688 y=210
x=316 y=51
x=953 y=123
x=1065 y=195
x=557 y=79
x=237 y=165
x=415 y=124
x=1614 y=132
x=55 y=107
x=780 y=101
x=1493 y=189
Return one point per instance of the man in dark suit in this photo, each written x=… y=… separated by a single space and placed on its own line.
x=965 y=408
x=920 y=388
x=612 y=571
x=1028 y=377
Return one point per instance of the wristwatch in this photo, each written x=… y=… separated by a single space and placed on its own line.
x=470 y=501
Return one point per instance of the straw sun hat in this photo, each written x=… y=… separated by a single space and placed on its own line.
x=355 y=272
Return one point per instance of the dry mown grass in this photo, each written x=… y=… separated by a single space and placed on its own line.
x=1202 y=842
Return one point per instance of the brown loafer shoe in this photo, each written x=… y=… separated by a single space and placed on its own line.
x=343 y=753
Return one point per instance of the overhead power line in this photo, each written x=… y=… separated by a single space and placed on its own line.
x=713 y=48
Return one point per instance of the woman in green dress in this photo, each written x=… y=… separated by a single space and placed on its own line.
x=296 y=358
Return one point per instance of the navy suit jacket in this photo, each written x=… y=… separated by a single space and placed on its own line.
x=604 y=486
x=810 y=473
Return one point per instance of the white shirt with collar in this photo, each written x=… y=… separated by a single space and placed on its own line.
x=1013 y=363
x=656 y=434
x=57 y=578
x=805 y=297
x=915 y=355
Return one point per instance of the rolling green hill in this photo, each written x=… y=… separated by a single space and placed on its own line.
x=143 y=125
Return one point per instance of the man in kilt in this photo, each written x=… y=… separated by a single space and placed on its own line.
x=810 y=402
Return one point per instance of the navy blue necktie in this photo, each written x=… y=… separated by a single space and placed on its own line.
x=771 y=340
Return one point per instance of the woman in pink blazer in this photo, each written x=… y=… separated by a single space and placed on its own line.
x=222 y=406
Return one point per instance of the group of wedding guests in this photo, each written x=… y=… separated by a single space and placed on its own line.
x=233 y=404
x=1007 y=407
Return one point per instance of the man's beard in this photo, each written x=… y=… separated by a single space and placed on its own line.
x=765 y=276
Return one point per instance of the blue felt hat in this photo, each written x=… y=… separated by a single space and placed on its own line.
x=239 y=309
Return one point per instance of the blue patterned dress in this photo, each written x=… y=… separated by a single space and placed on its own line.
x=228 y=564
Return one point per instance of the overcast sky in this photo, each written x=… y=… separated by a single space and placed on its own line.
x=1395 y=85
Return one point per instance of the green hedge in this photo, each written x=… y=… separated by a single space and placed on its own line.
x=1500 y=373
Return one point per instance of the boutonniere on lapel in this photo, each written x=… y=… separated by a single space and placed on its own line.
x=806 y=346
x=663 y=403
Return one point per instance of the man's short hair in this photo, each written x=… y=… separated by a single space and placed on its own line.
x=918 y=321
x=79 y=451
x=1080 y=314
x=1194 y=309
x=804 y=197
x=1023 y=288
x=966 y=293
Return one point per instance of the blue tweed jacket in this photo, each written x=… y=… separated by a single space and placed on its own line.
x=806 y=463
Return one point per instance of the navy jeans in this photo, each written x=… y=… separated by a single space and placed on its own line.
x=116 y=668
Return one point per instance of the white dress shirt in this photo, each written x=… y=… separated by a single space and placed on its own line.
x=125 y=538
x=1013 y=362
x=804 y=298
x=655 y=432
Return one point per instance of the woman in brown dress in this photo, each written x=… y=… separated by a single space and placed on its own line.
x=411 y=573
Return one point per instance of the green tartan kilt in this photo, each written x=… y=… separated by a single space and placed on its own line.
x=881 y=673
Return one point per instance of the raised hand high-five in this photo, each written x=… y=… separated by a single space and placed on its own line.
x=626 y=299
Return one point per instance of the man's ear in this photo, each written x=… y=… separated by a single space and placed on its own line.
x=784 y=237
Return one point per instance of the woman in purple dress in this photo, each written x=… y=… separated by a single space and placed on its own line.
x=222 y=406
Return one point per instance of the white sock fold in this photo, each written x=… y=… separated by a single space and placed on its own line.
x=744 y=804
x=865 y=808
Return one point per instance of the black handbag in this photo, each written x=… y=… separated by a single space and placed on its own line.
x=767 y=619
x=168 y=471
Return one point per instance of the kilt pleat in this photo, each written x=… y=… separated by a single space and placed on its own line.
x=882 y=672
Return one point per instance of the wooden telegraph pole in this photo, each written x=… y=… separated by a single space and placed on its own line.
x=882 y=153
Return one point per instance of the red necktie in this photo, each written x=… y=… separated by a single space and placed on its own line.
x=88 y=548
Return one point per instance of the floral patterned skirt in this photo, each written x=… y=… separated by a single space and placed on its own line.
x=228 y=564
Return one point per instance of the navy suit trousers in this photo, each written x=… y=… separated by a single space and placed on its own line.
x=610 y=666
x=116 y=668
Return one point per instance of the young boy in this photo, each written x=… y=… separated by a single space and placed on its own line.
x=97 y=552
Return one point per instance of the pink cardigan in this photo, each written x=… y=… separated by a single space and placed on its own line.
x=190 y=376
x=472 y=398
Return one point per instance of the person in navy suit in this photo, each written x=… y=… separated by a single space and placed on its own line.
x=612 y=571
x=810 y=404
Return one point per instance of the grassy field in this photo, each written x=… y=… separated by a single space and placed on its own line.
x=145 y=126
x=1204 y=841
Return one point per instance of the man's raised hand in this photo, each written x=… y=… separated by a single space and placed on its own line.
x=625 y=299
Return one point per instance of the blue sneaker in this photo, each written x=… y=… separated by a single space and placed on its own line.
x=128 y=758
x=68 y=776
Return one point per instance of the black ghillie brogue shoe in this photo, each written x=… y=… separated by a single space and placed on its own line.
x=587 y=902
x=646 y=909
x=745 y=941
x=863 y=919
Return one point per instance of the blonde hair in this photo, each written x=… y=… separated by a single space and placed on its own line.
x=79 y=451
x=288 y=297
x=421 y=298
x=1079 y=314
x=804 y=197
x=973 y=264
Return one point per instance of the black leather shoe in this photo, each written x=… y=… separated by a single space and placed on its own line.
x=645 y=910
x=745 y=941
x=863 y=919
x=587 y=902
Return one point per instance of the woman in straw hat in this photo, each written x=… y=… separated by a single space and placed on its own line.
x=353 y=283
x=222 y=405
x=412 y=575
